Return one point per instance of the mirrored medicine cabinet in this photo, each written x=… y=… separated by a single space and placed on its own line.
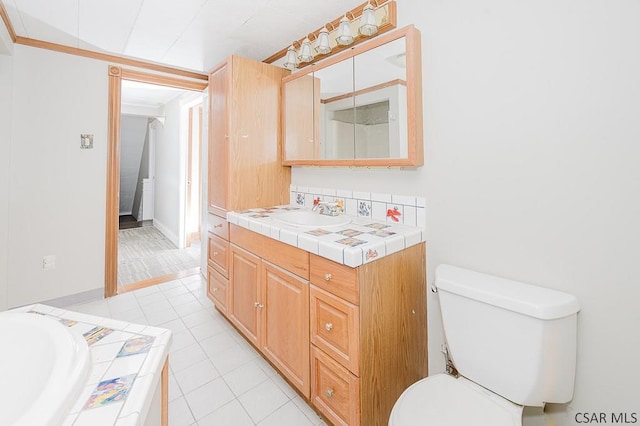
x=362 y=107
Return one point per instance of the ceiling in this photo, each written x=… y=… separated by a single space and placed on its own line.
x=188 y=34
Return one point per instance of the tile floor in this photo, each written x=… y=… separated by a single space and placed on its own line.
x=216 y=377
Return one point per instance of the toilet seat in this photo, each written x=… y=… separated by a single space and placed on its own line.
x=444 y=400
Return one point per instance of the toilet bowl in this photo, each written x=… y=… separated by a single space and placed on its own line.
x=443 y=400
x=513 y=345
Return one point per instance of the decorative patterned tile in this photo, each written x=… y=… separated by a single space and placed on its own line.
x=364 y=208
x=136 y=345
x=96 y=334
x=110 y=391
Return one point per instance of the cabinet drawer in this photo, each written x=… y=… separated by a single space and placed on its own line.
x=217 y=286
x=335 y=328
x=219 y=226
x=334 y=391
x=218 y=254
x=338 y=279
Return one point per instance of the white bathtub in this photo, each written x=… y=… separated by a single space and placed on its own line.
x=43 y=367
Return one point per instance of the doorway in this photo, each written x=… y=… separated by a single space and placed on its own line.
x=116 y=77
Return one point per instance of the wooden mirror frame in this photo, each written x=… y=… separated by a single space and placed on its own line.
x=415 y=156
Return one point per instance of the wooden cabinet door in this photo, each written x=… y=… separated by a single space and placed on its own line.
x=217 y=286
x=244 y=285
x=218 y=138
x=285 y=327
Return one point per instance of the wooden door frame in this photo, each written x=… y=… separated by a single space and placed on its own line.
x=116 y=75
x=193 y=236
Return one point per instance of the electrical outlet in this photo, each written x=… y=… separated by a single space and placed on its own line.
x=49 y=262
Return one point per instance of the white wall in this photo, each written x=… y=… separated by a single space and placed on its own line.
x=57 y=190
x=133 y=132
x=169 y=170
x=531 y=167
x=6 y=78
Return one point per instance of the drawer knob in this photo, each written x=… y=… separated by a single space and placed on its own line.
x=329 y=393
x=218 y=225
x=328 y=326
x=258 y=305
x=215 y=253
x=215 y=289
x=327 y=276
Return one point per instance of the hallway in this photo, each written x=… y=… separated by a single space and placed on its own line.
x=145 y=253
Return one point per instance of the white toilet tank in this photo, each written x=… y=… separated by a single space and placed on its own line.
x=515 y=339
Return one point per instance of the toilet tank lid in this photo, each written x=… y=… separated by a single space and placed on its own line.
x=527 y=299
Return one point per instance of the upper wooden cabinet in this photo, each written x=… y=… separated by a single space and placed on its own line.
x=362 y=107
x=244 y=137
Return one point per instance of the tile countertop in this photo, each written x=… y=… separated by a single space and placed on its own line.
x=126 y=366
x=360 y=241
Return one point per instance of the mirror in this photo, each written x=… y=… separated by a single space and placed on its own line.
x=361 y=107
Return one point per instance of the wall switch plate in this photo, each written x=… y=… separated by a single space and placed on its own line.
x=49 y=262
x=86 y=141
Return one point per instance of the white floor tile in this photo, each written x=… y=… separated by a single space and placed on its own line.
x=287 y=415
x=160 y=317
x=245 y=378
x=308 y=411
x=195 y=376
x=284 y=386
x=208 y=398
x=186 y=357
x=232 y=358
x=174 y=389
x=263 y=400
x=218 y=343
x=179 y=413
x=231 y=414
x=196 y=318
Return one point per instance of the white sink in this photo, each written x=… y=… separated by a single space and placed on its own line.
x=309 y=219
x=43 y=368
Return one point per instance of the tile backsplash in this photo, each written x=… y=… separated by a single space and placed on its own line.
x=405 y=209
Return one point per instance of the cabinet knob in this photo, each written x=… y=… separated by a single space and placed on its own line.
x=329 y=393
x=215 y=253
x=215 y=289
x=327 y=276
x=217 y=225
x=328 y=326
x=258 y=305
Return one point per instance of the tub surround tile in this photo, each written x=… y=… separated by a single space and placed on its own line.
x=127 y=360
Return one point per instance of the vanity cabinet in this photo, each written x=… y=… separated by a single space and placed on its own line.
x=244 y=149
x=217 y=263
x=244 y=167
x=350 y=340
x=368 y=329
x=269 y=302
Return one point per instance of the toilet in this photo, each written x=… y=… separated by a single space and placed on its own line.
x=512 y=344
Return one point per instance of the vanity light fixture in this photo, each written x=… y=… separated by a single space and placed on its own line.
x=291 y=62
x=368 y=25
x=357 y=25
x=322 y=43
x=306 y=51
x=345 y=37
